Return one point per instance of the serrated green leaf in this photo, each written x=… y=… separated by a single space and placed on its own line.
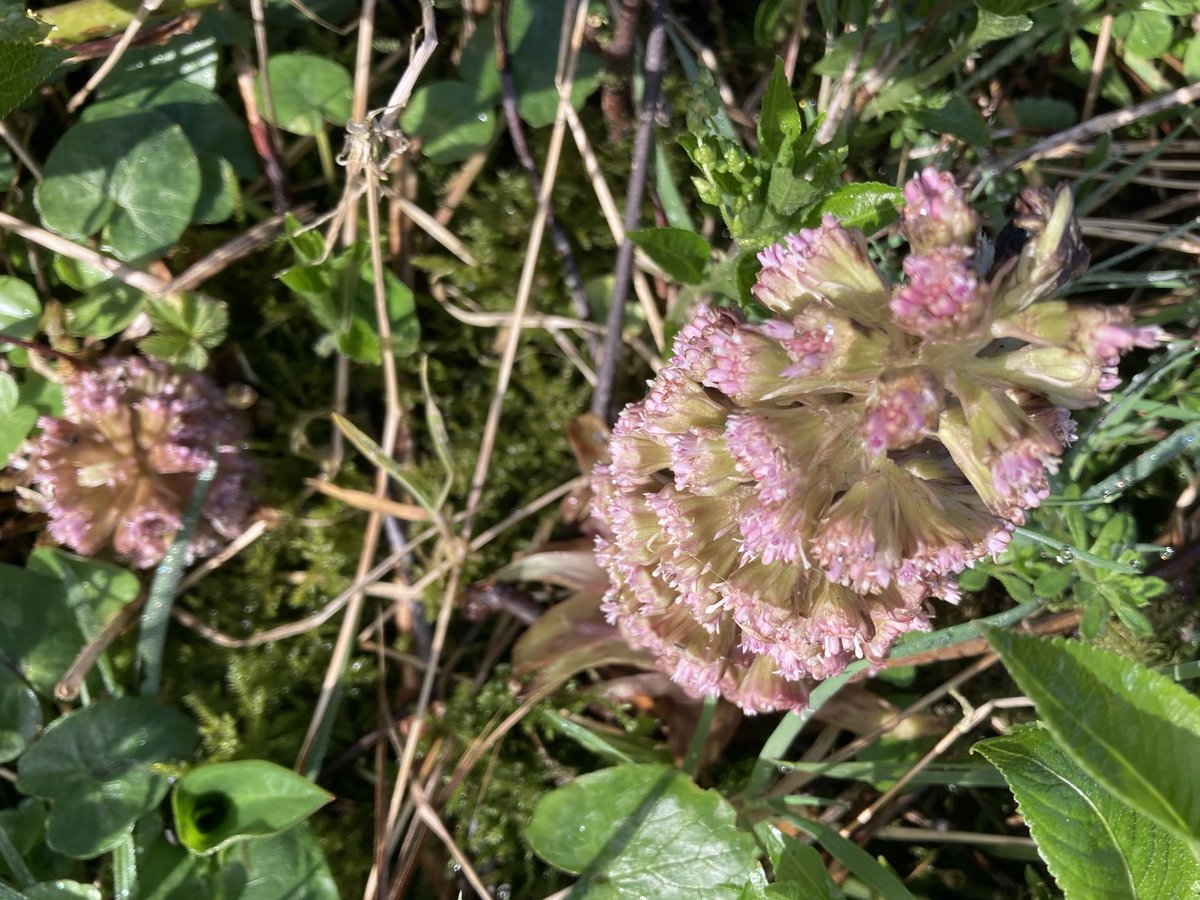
x=1096 y=847
x=99 y=766
x=1133 y=730
x=308 y=91
x=779 y=119
x=644 y=830
x=24 y=65
x=135 y=177
x=218 y=804
x=867 y=206
x=683 y=255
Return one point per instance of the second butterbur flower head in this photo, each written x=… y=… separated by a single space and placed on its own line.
x=119 y=466
x=792 y=492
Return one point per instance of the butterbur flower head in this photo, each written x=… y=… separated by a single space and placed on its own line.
x=793 y=492
x=119 y=466
x=936 y=213
x=942 y=298
x=829 y=263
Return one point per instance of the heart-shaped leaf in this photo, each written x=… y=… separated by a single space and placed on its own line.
x=307 y=91
x=134 y=178
x=100 y=766
x=1094 y=844
x=645 y=831
x=218 y=804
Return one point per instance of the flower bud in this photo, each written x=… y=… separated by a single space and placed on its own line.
x=936 y=213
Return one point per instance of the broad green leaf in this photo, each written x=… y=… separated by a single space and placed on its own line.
x=307 y=91
x=867 y=206
x=220 y=803
x=20 y=309
x=1096 y=847
x=205 y=118
x=104 y=310
x=779 y=119
x=220 y=141
x=1149 y=33
x=101 y=765
x=644 y=830
x=450 y=119
x=1135 y=731
x=20 y=715
x=186 y=327
x=24 y=825
x=683 y=255
x=287 y=865
x=959 y=118
x=134 y=178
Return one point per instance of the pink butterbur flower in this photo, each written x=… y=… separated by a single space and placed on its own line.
x=119 y=466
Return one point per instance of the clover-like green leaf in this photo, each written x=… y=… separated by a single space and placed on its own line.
x=284 y=865
x=20 y=310
x=1095 y=846
x=186 y=327
x=100 y=766
x=307 y=91
x=192 y=57
x=134 y=178
x=62 y=890
x=645 y=831
x=220 y=803
x=20 y=715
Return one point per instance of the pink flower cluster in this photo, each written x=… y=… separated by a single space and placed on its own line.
x=121 y=463
x=791 y=493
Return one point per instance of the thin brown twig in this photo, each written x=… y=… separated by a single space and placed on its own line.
x=516 y=133
x=1103 y=40
x=655 y=66
x=1064 y=141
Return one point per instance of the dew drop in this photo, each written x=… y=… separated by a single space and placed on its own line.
x=1066 y=555
x=1167 y=553
x=1137 y=565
